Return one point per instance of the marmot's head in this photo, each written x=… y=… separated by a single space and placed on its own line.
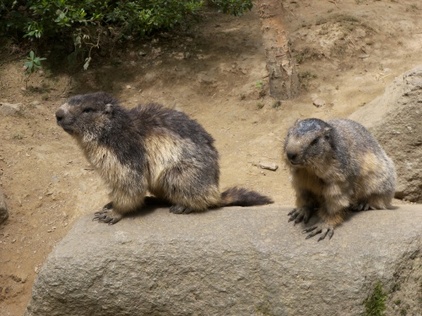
x=87 y=116
x=307 y=143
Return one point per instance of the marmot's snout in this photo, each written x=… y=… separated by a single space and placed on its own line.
x=293 y=157
x=60 y=114
x=62 y=121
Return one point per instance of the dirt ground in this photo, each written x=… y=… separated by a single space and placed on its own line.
x=347 y=52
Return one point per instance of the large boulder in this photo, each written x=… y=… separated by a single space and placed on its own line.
x=233 y=261
x=4 y=214
x=395 y=119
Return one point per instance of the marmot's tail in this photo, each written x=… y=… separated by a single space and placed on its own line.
x=242 y=197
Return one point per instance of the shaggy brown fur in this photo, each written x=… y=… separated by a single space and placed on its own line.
x=336 y=166
x=148 y=148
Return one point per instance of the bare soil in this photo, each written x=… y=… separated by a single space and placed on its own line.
x=347 y=52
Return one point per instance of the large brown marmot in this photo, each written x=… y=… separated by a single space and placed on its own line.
x=149 y=148
x=336 y=166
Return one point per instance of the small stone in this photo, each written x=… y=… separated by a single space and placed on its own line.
x=268 y=166
x=318 y=102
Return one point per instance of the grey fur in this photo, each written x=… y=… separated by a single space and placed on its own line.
x=336 y=166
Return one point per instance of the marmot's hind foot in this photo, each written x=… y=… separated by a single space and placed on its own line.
x=361 y=207
x=322 y=228
x=179 y=209
x=107 y=215
x=300 y=214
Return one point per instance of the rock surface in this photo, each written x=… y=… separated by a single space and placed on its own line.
x=4 y=214
x=232 y=261
x=395 y=120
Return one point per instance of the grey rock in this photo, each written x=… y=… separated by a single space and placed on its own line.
x=232 y=261
x=395 y=120
x=4 y=214
x=9 y=109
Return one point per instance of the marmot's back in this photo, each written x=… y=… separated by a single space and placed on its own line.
x=154 y=117
x=357 y=138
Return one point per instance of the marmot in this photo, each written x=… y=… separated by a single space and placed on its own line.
x=336 y=166
x=149 y=148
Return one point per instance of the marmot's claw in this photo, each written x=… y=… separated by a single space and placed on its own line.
x=106 y=215
x=99 y=216
x=329 y=233
x=312 y=230
x=105 y=219
x=293 y=215
x=361 y=207
x=114 y=221
x=291 y=212
x=323 y=229
x=302 y=214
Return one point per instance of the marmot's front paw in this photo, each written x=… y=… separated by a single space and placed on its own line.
x=323 y=228
x=300 y=214
x=107 y=215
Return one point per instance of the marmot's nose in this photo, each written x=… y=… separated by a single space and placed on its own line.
x=60 y=115
x=292 y=156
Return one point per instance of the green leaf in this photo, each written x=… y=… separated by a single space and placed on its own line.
x=28 y=65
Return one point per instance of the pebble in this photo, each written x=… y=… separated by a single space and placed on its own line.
x=268 y=166
x=318 y=103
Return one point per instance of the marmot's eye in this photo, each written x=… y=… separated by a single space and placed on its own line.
x=315 y=141
x=88 y=110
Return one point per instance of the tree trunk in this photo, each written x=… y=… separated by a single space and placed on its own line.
x=284 y=81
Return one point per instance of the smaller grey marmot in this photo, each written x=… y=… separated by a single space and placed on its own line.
x=336 y=166
x=149 y=148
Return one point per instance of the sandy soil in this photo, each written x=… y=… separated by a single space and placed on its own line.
x=347 y=52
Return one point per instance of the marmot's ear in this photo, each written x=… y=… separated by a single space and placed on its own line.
x=108 y=108
x=327 y=131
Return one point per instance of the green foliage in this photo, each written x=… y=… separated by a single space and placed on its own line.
x=88 y=24
x=375 y=304
x=234 y=7
x=33 y=63
x=48 y=18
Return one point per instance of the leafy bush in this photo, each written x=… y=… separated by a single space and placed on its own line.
x=234 y=7
x=88 y=24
